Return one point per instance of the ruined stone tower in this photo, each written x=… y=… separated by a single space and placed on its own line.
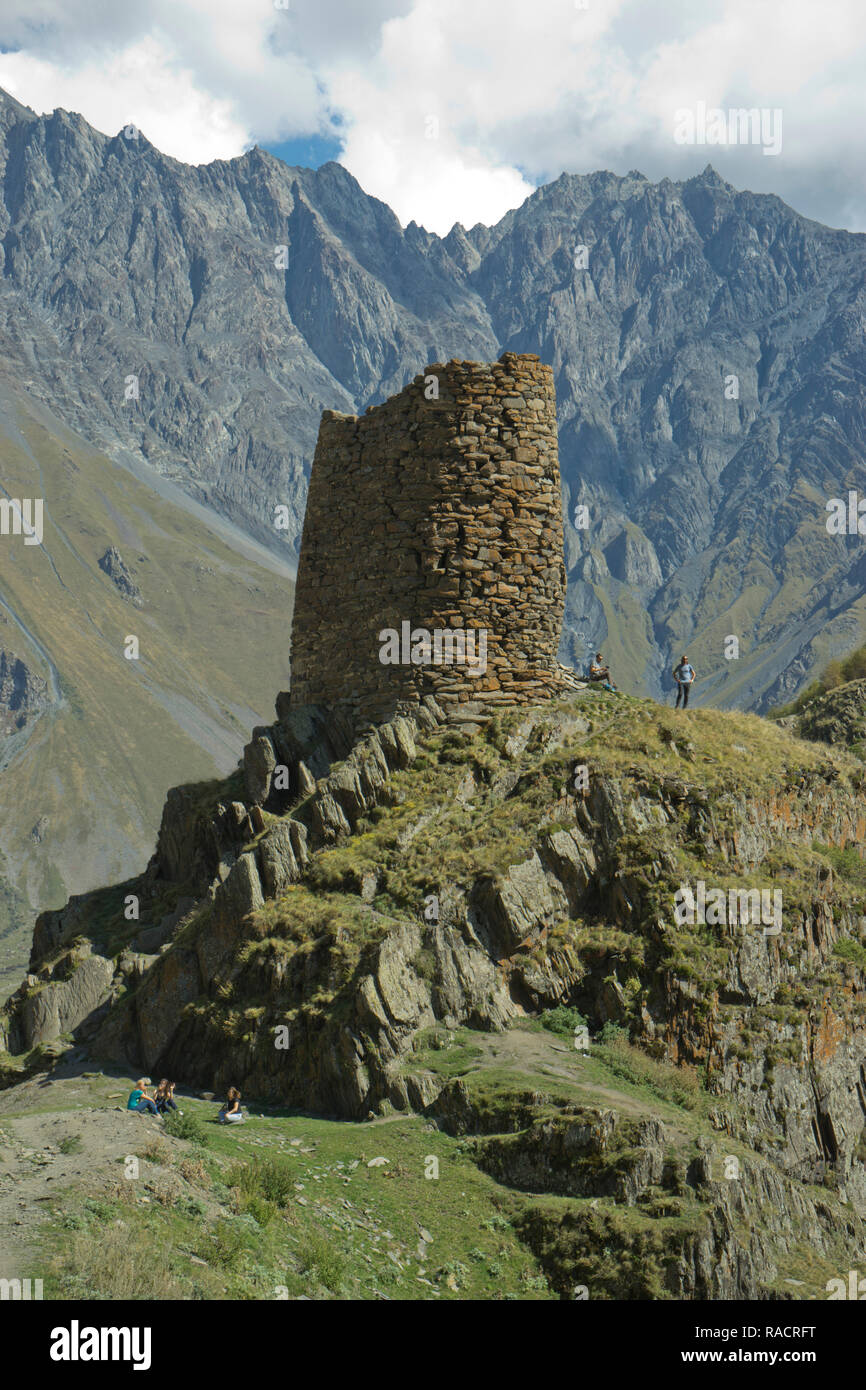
x=431 y=557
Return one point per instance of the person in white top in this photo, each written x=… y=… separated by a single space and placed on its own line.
x=683 y=674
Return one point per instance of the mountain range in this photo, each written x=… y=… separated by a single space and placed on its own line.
x=170 y=334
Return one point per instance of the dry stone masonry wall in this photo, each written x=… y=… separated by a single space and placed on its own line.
x=438 y=512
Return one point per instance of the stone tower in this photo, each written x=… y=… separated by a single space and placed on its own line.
x=431 y=557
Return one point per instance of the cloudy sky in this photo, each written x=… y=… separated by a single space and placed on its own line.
x=454 y=110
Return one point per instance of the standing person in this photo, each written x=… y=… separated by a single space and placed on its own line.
x=139 y=1099
x=165 y=1097
x=683 y=674
x=231 y=1113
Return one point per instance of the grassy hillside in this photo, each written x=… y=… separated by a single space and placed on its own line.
x=292 y=1205
x=213 y=632
x=704 y=1141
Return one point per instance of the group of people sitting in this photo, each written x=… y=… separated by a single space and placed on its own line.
x=683 y=674
x=163 y=1100
x=159 y=1103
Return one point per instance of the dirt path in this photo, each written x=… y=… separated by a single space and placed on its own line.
x=548 y=1054
x=89 y=1119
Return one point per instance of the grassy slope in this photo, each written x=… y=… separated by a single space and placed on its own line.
x=288 y=1205
x=214 y=639
x=260 y=1213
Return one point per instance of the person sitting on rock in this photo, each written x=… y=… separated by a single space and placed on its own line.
x=139 y=1099
x=598 y=671
x=231 y=1113
x=165 y=1097
x=599 y=674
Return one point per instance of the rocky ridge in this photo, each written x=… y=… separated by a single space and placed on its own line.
x=306 y=938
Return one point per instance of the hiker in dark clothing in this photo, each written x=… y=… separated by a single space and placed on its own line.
x=684 y=675
x=231 y=1113
x=165 y=1097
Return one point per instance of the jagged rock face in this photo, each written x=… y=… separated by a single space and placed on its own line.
x=730 y=1251
x=431 y=559
x=23 y=694
x=838 y=717
x=700 y=493
x=736 y=1237
x=113 y=564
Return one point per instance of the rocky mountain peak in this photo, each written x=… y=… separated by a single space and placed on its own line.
x=699 y=337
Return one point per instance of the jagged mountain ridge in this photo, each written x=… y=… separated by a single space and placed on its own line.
x=707 y=513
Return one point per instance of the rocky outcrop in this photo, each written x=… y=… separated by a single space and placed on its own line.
x=286 y=957
x=837 y=717
x=112 y=564
x=696 y=1233
x=44 y=1010
x=23 y=694
x=704 y=1222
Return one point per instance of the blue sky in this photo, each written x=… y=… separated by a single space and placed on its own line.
x=308 y=151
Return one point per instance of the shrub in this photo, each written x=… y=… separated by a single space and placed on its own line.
x=268 y=1178
x=156 y=1150
x=679 y=1085
x=612 y=1034
x=227 y=1242
x=852 y=951
x=562 y=1020
x=321 y=1261
x=185 y=1127
x=194 y=1171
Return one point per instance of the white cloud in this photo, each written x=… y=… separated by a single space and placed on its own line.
x=520 y=91
x=201 y=78
x=142 y=86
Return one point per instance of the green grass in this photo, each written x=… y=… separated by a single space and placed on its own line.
x=286 y=1220
x=447 y=1052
